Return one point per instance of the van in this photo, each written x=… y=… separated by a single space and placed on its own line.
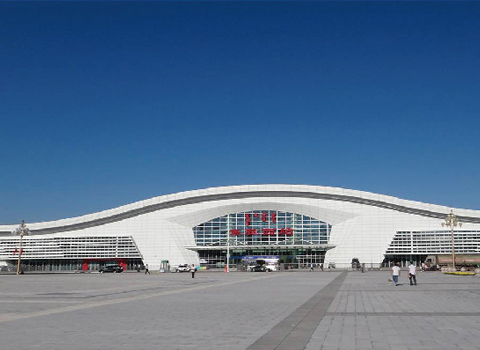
x=269 y=264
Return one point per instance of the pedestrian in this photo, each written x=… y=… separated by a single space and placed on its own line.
x=311 y=267
x=395 y=273
x=412 y=274
x=321 y=267
x=423 y=267
x=146 y=270
x=192 y=270
x=363 y=267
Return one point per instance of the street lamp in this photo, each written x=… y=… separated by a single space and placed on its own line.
x=21 y=231
x=228 y=255
x=227 y=270
x=451 y=221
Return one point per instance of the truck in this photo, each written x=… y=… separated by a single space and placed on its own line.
x=464 y=260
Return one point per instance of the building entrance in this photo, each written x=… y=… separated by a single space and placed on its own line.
x=212 y=259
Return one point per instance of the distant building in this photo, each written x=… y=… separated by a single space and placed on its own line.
x=299 y=224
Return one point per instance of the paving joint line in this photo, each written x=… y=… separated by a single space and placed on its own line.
x=410 y=314
x=295 y=330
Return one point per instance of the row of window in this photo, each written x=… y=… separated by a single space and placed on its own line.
x=434 y=242
x=70 y=247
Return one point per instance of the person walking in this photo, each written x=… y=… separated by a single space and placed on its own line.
x=412 y=274
x=193 y=270
x=146 y=270
x=312 y=267
x=395 y=273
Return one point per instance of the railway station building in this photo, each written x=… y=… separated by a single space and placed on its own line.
x=299 y=224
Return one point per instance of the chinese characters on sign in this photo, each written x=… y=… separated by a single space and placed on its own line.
x=248 y=218
x=235 y=232
x=264 y=231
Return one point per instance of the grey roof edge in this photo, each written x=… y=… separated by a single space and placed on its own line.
x=243 y=195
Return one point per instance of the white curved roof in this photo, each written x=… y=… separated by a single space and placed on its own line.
x=244 y=192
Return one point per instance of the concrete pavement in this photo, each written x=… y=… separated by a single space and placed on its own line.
x=285 y=310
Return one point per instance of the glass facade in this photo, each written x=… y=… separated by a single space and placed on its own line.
x=294 y=238
x=262 y=227
x=77 y=265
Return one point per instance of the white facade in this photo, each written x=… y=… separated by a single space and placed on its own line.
x=363 y=224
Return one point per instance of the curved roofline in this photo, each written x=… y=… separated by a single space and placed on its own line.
x=243 y=192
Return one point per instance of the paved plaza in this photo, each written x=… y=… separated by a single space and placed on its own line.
x=283 y=310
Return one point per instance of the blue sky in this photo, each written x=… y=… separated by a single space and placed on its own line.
x=104 y=104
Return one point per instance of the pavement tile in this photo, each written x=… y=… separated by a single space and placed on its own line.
x=233 y=311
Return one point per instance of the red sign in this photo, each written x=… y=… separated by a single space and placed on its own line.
x=235 y=232
x=16 y=250
x=251 y=231
x=269 y=232
x=248 y=217
x=265 y=232
x=285 y=231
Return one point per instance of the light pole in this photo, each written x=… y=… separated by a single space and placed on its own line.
x=451 y=221
x=21 y=231
x=228 y=255
x=227 y=269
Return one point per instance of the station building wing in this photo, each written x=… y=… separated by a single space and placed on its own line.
x=298 y=224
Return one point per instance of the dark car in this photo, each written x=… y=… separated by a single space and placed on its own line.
x=259 y=268
x=111 y=268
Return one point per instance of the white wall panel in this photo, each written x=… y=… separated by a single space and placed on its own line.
x=358 y=230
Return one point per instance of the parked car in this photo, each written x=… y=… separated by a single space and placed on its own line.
x=270 y=264
x=183 y=268
x=111 y=268
x=259 y=268
x=271 y=267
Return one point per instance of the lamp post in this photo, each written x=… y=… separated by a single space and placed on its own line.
x=21 y=231
x=451 y=221
x=227 y=267
x=228 y=255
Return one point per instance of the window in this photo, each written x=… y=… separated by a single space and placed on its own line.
x=262 y=227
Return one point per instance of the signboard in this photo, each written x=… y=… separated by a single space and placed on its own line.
x=254 y=258
x=264 y=232
x=285 y=231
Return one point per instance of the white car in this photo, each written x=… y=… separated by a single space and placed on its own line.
x=271 y=267
x=183 y=268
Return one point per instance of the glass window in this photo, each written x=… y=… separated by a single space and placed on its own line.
x=262 y=227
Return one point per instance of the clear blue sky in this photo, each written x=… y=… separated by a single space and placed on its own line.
x=103 y=104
